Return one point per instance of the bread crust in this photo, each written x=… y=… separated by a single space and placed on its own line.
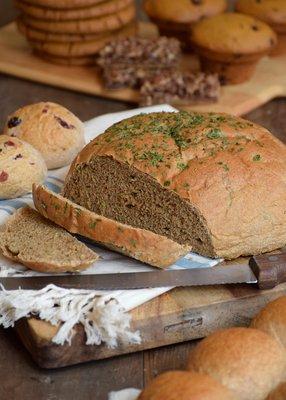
x=247 y=361
x=48 y=267
x=234 y=173
x=272 y=320
x=184 y=385
x=279 y=393
x=40 y=265
x=140 y=244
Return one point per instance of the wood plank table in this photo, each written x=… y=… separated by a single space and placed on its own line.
x=19 y=376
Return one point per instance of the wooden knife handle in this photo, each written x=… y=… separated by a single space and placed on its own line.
x=269 y=269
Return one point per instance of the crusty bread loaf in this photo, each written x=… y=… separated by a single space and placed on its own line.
x=140 y=244
x=182 y=385
x=212 y=181
x=20 y=166
x=41 y=245
x=52 y=129
x=272 y=320
x=247 y=361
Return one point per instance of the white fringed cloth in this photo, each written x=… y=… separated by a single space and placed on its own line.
x=125 y=394
x=102 y=317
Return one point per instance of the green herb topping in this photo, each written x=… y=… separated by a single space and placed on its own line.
x=224 y=166
x=92 y=224
x=214 y=133
x=182 y=166
x=257 y=157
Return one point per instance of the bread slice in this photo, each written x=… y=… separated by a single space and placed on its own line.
x=140 y=244
x=41 y=245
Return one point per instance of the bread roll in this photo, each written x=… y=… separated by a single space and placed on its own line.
x=272 y=320
x=20 y=166
x=50 y=128
x=247 y=361
x=184 y=385
x=279 y=393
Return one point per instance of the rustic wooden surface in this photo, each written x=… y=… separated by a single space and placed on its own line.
x=267 y=83
x=19 y=377
x=177 y=316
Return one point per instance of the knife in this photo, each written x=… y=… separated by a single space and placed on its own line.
x=266 y=271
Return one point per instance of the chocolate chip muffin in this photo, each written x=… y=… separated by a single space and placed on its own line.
x=174 y=18
x=273 y=12
x=231 y=44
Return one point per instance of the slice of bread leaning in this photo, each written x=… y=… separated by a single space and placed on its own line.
x=143 y=245
x=41 y=245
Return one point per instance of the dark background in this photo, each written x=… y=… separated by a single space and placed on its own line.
x=20 y=378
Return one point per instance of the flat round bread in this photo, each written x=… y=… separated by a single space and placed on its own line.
x=92 y=25
x=97 y=10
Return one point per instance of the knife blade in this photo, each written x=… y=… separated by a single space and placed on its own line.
x=137 y=280
x=266 y=270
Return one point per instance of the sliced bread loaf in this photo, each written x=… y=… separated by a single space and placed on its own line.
x=211 y=181
x=41 y=245
x=140 y=244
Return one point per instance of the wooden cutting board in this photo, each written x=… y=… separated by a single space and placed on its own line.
x=179 y=315
x=268 y=82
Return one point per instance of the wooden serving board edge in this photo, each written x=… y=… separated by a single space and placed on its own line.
x=159 y=330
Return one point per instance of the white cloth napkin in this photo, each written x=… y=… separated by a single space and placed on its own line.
x=124 y=394
x=103 y=314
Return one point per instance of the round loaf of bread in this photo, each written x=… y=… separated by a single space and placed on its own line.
x=247 y=361
x=272 y=320
x=50 y=128
x=184 y=385
x=20 y=166
x=202 y=179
